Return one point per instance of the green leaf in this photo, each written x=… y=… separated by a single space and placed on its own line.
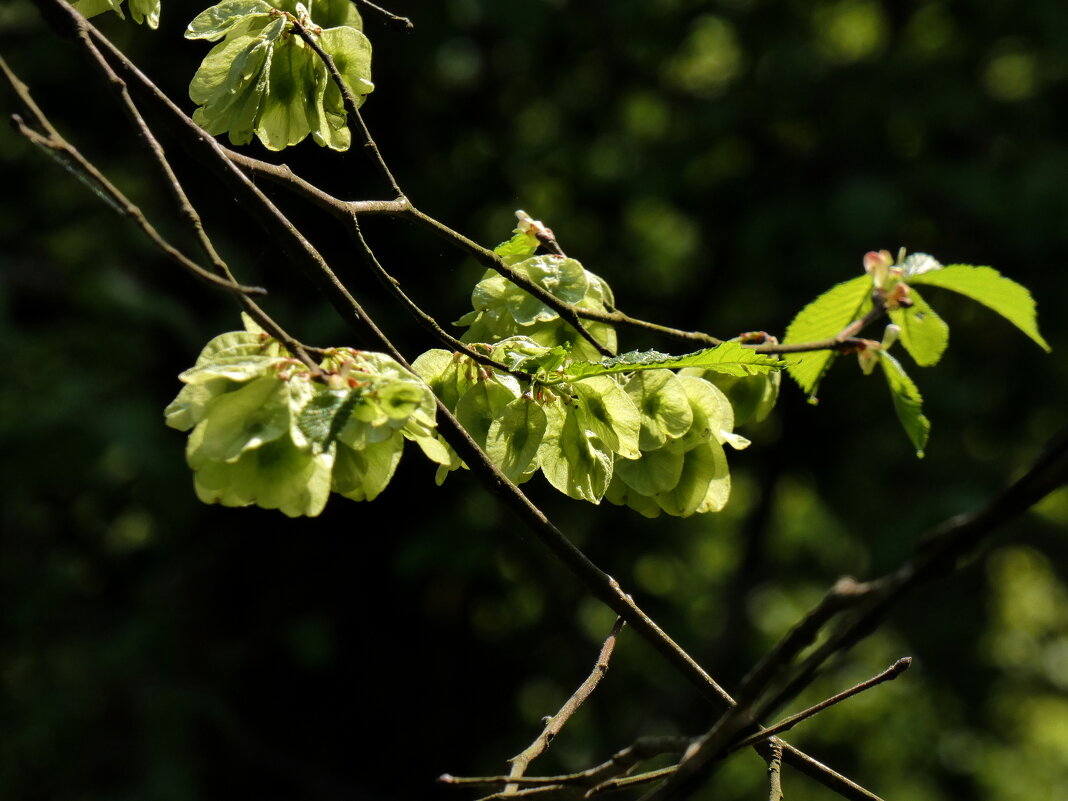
x=232 y=81
x=578 y=465
x=215 y=22
x=730 y=358
x=243 y=420
x=234 y=368
x=606 y=411
x=752 y=397
x=326 y=13
x=362 y=475
x=924 y=334
x=319 y=414
x=140 y=10
x=824 y=317
x=987 y=286
x=480 y=406
x=351 y=52
x=192 y=403
x=664 y=407
x=711 y=413
x=704 y=484
x=90 y=8
x=276 y=476
x=520 y=247
x=908 y=403
x=515 y=435
x=655 y=472
x=448 y=374
x=283 y=119
x=621 y=494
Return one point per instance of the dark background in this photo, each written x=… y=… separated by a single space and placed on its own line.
x=720 y=164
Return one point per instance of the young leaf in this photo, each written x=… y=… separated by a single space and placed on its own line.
x=362 y=475
x=351 y=52
x=822 y=318
x=731 y=358
x=606 y=411
x=711 y=412
x=578 y=465
x=276 y=476
x=515 y=436
x=480 y=406
x=654 y=473
x=703 y=467
x=663 y=405
x=283 y=120
x=924 y=334
x=240 y=421
x=140 y=10
x=908 y=403
x=215 y=22
x=989 y=287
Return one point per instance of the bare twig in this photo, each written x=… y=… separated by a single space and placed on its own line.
x=398 y=22
x=522 y=761
x=618 y=764
x=424 y=319
x=784 y=725
x=187 y=211
x=66 y=154
x=775 y=774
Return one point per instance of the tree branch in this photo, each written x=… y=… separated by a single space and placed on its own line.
x=554 y=724
x=66 y=154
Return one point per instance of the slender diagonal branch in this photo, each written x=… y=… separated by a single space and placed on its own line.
x=938 y=553
x=356 y=122
x=392 y=285
x=784 y=725
x=554 y=724
x=618 y=764
x=398 y=22
x=186 y=210
x=66 y=154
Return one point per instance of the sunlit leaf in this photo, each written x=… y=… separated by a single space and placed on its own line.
x=703 y=467
x=655 y=472
x=989 y=287
x=215 y=22
x=606 y=411
x=515 y=435
x=578 y=465
x=730 y=358
x=924 y=334
x=362 y=475
x=908 y=403
x=663 y=405
x=821 y=319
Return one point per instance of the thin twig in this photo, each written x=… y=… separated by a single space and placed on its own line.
x=187 y=211
x=784 y=725
x=775 y=774
x=554 y=724
x=62 y=151
x=352 y=108
x=398 y=22
x=393 y=286
x=642 y=749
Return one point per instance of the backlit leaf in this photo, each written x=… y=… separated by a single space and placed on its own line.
x=908 y=403
x=821 y=319
x=989 y=287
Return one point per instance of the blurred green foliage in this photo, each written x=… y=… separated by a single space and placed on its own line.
x=720 y=163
